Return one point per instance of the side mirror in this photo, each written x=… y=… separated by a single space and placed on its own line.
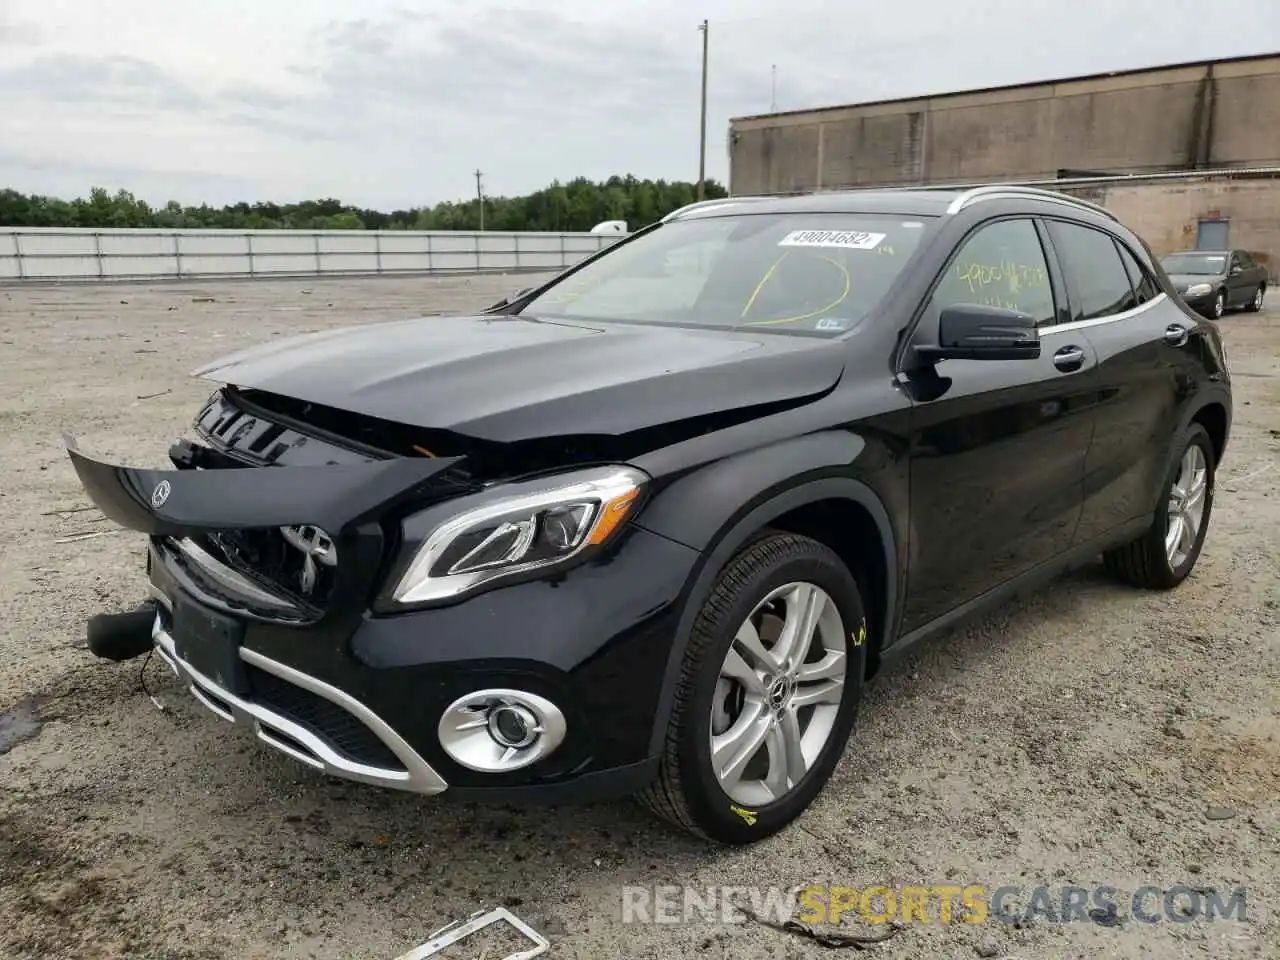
x=972 y=331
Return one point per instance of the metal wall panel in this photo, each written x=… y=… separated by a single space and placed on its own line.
x=212 y=265
x=9 y=263
x=135 y=266
x=63 y=254
x=232 y=245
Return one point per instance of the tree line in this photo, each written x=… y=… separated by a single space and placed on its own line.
x=576 y=205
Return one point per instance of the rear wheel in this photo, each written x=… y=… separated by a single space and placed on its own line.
x=1256 y=303
x=1164 y=556
x=768 y=693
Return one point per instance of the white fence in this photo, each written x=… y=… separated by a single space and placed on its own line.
x=65 y=254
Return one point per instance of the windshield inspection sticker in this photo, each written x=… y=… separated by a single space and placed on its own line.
x=832 y=323
x=847 y=239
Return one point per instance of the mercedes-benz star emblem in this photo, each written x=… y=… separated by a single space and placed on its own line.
x=160 y=494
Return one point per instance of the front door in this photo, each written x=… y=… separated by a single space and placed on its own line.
x=1240 y=283
x=998 y=455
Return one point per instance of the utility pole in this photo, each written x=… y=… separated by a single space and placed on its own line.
x=480 y=197
x=702 y=138
x=773 y=101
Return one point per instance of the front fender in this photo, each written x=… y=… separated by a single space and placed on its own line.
x=718 y=508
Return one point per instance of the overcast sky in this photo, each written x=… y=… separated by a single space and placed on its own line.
x=394 y=103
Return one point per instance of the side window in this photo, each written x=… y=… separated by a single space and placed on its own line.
x=1246 y=261
x=1237 y=262
x=1144 y=287
x=1094 y=270
x=1002 y=265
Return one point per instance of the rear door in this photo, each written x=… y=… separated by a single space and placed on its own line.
x=998 y=446
x=1145 y=345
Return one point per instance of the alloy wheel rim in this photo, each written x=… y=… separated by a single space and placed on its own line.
x=1257 y=299
x=778 y=694
x=1218 y=306
x=1187 y=501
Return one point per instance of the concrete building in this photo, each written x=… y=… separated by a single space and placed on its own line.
x=1190 y=124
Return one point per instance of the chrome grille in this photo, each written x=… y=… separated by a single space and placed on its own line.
x=299 y=561
x=282 y=558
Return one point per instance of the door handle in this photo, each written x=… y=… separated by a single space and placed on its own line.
x=1068 y=359
x=1176 y=334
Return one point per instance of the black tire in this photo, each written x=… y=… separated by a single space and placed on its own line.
x=1219 y=307
x=1255 y=304
x=1144 y=562
x=686 y=792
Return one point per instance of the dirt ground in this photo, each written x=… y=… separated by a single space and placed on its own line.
x=1090 y=735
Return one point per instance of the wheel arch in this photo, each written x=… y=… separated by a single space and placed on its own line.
x=802 y=508
x=1214 y=414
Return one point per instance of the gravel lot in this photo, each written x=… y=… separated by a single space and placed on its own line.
x=1082 y=736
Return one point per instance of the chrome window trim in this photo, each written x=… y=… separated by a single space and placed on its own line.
x=1111 y=318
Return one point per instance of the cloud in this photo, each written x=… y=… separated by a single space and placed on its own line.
x=513 y=67
x=18 y=33
x=119 y=80
x=398 y=106
x=48 y=176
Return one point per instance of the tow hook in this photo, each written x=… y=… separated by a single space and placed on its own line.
x=121 y=636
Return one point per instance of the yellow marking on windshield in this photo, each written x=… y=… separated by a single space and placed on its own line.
x=848 y=283
x=763 y=280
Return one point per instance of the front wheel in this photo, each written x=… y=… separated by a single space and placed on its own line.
x=768 y=693
x=1164 y=556
x=1219 y=305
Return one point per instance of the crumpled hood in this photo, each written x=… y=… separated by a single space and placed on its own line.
x=505 y=378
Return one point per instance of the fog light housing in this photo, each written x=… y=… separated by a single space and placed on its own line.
x=513 y=726
x=496 y=731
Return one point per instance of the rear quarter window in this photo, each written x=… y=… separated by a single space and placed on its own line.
x=1096 y=276
x=1144 y=287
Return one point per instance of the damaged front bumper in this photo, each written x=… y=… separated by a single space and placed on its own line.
x=340 y=683
x=305 y=742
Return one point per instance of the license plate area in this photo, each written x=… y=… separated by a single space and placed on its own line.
x=210 y=642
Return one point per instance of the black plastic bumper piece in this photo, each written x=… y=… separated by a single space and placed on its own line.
x=600 y=786
x=121 y=636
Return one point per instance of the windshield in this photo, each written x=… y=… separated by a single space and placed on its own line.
x=1205 y=264
x=816 y=274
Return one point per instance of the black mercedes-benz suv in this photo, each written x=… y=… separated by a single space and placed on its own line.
x=651 y=527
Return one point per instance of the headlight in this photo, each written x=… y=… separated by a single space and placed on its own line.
x=1199 y=289
x=544 y=524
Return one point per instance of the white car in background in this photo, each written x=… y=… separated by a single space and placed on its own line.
x=610 y=226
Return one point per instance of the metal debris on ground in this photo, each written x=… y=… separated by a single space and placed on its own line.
x=824 y=938
x=152 y=396
x=54 y=513
x=88 y=535
x=452 y=933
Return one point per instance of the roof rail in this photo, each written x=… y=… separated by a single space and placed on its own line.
x=704 y=204
x=998 y=191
